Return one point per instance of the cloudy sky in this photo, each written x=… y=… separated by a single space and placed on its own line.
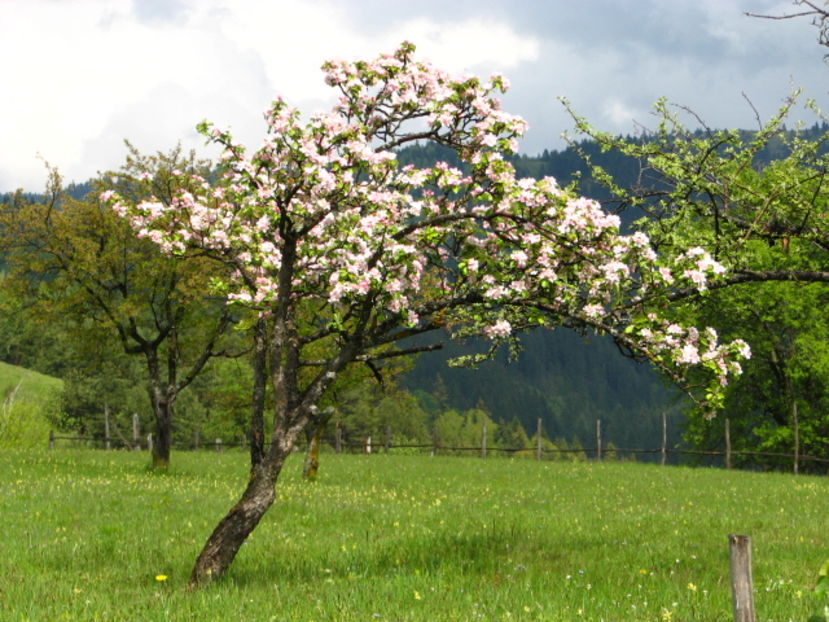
x=80 y=76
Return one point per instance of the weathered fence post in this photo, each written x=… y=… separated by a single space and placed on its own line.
x=728 y=444
x=136 y=432
x=483 y=440
x=598 y=440
x=150 y=442
x=367 y=446
x=664 y=437
x=796 y=437
x=338 y=438
x=106 y=426
x=742 y=596
x=218 y=444
x=197 y=439
x=51 y=439
x=387 y=440
x=538 y=439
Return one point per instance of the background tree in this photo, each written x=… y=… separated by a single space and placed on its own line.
x=784 y=391
x=87 y=271
x=757 y=201
x=321 y=222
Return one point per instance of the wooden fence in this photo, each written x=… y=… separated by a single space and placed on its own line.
x=540 y=451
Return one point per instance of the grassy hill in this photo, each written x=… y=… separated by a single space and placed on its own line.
x=24 y=397
x=404 y=538
x=32 y=384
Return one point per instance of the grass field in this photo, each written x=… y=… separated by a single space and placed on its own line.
x=90 y=535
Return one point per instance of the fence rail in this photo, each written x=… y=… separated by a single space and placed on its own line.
x=364 y=445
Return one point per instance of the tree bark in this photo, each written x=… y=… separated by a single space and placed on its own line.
x=226 y=540
x=312 y=453
x=162 y=439
x=257 y=422
x=162 y=398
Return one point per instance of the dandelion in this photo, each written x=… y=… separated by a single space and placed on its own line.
x=161 y=577
x=692 y=587
x=417 y=595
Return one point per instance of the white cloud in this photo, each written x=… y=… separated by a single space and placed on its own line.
x=80 y=76
x=619 y=113
x=90 y=73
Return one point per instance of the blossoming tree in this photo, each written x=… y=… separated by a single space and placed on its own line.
x=347 y=253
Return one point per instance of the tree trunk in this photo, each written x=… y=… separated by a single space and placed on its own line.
x=162 y=439
x=312 y=453
x=224 y=543
x=257 y=424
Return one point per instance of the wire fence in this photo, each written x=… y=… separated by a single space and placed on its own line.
x=542 y=449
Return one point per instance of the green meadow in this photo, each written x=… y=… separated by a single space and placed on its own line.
x=25 y=395
x=92 y=535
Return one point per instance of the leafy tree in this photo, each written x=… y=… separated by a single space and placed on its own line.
x=757 y=202
x=512 y=435
x=224 y=393
x=784 y=391
x=369 y=409
x=322 y=223
x=88 y=272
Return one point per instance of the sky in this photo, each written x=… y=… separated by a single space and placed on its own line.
x=79 y=77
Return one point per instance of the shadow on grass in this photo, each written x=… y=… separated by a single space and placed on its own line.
x=485 y=553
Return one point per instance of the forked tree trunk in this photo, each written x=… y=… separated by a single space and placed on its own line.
x=226 y=540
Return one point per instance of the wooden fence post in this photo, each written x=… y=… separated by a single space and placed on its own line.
x=728 y=444
x=796 y=437
x=483 y=440
x=598 y=440
x=150 y=442
x=664 y=437
x=218 y=444
x=742 y=596
x=338 y=438
x=197 y=439
x=136 y=432
x=538 y=439
x=367 y=446
x=387 y=440
x=106 y=426
x=51 y=439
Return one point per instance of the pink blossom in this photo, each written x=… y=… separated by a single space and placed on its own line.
x=689 y=354
x=498 y=330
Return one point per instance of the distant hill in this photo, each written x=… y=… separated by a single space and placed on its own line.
x=566 y=380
